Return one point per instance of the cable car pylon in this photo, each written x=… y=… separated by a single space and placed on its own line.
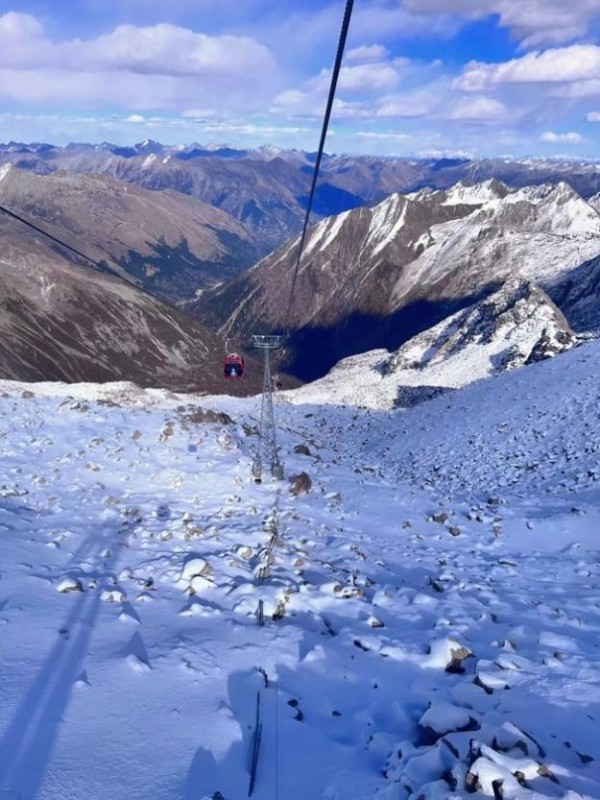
x=266 y=449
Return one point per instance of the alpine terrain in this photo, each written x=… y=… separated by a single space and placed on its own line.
x=165 y=242
x=266 y=188
x=516 y=326
x=63 y=320
x=413 y=614
x=375 y=277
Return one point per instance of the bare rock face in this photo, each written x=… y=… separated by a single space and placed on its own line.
x=300 y=484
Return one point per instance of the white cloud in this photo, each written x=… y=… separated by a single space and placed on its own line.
x=380 y=77
x=562 y=138
x=168 y=50
x=547 y=22
x=593 y=116
x=446 y=153
x=578 y=62
x=171 y=130
x=382 y=136
x=158 y=67
x=373 y=52
x=534 y=23
x=579 y=89
x=477 y=108
x=135 y=119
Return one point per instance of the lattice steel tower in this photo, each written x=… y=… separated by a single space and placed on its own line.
x=266 y=450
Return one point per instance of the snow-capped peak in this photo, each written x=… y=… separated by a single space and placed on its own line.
x=517 y=325
x=475 y=194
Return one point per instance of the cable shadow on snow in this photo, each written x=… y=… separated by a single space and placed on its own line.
x=229 y=777
x=28 y=742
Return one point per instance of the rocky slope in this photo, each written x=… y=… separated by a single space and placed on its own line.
x=376 y=276
x=165 y=242
x=64 y=321
x=515 y=326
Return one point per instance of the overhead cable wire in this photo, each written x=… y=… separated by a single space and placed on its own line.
x=97 y=264
x=330 y=99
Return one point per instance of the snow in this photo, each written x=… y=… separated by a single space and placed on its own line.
x=476 y=194
x=387 y=221
x=325 y=232
x=430 y=607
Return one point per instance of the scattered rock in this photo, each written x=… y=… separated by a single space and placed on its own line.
x=68 y=585
x=458 y=655
x=113 y=596
x=441 y=517
x=300 y=484
x=202 y=416
x=454 y=530
x=195 y=566
x=302 y=450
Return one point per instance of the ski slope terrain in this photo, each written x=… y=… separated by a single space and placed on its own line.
x=429 y=593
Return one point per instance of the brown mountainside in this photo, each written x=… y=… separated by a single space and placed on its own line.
x=168 y=243
x=63 y=321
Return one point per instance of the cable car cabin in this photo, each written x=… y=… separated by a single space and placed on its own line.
x=233 y=366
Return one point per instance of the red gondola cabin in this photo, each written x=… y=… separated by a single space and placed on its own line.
x=233 y=366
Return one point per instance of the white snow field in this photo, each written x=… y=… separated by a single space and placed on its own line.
x=431 y=605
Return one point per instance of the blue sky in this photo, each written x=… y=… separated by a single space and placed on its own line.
x=481 y=77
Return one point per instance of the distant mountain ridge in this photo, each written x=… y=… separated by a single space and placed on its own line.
x=267 y=188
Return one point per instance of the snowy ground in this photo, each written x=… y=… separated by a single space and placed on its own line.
x=435 y=596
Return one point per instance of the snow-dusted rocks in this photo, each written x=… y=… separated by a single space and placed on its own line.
x=392 y=659
x=68 y=585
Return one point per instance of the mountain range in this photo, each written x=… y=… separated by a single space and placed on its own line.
x=62 y=320
x=373 y=276
x=376 y=276
x=267 y=188
x=169 y=244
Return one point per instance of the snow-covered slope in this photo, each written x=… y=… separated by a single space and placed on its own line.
x=517 y=325
x=430 y=606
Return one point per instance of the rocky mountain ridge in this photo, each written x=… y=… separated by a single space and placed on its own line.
x=61 y=320
x=167 y=243
x=375 y=277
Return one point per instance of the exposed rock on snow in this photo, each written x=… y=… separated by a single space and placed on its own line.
x=300 y=484
x=69 y=585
